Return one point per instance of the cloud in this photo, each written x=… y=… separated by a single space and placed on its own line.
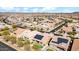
x=48 y=9
x=7 y=8
x=42 y=9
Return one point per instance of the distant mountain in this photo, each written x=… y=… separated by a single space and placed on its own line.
x=75 y=12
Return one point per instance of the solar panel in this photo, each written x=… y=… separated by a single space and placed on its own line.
x=39 y=37
x=61 y=40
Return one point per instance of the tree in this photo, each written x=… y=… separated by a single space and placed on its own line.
x=5 y=32
x=72 y=38
x=61 y=31
x=41 y=30
x=27 y=45
x=21 y=39
x=7 y=37
x=72 y=33
x=14 y=26
x=13 y=39
x=26 y=41
x=19 y=43
x=73 y=29
x=0 y=33
x=70 y=21
x=5 y=28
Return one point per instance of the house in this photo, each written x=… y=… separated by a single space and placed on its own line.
x=75 y=46
x=28 y=34
x=19 y=31
x=67 y=29
x=43 y=38
x=77 y=35
x=77 y=29
x=2 y=25
x=61 y=42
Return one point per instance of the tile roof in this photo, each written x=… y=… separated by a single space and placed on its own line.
x=61 y=44
x=19 y=31
x=75 y=46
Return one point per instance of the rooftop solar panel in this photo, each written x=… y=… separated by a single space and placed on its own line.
x=39 y=37
x=61 y=40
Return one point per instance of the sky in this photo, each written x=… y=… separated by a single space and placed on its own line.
x=49 y=6
x=40 y=9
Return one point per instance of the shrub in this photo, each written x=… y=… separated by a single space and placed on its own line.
x=72 y=33
x=19 y=43
x=5 y=32
x=37 y=46
x=5 y=28
x=13 y=39
x=21 y=39
x=14 y=26
x=50 y=49
x=27 y=45
x=7 y=37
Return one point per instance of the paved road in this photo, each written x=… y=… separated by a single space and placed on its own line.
x=57 y=28
x=4 y=47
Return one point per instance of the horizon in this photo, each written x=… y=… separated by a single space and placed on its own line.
x=40 y=9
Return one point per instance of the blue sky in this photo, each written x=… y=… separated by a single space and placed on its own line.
x=40 y=9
